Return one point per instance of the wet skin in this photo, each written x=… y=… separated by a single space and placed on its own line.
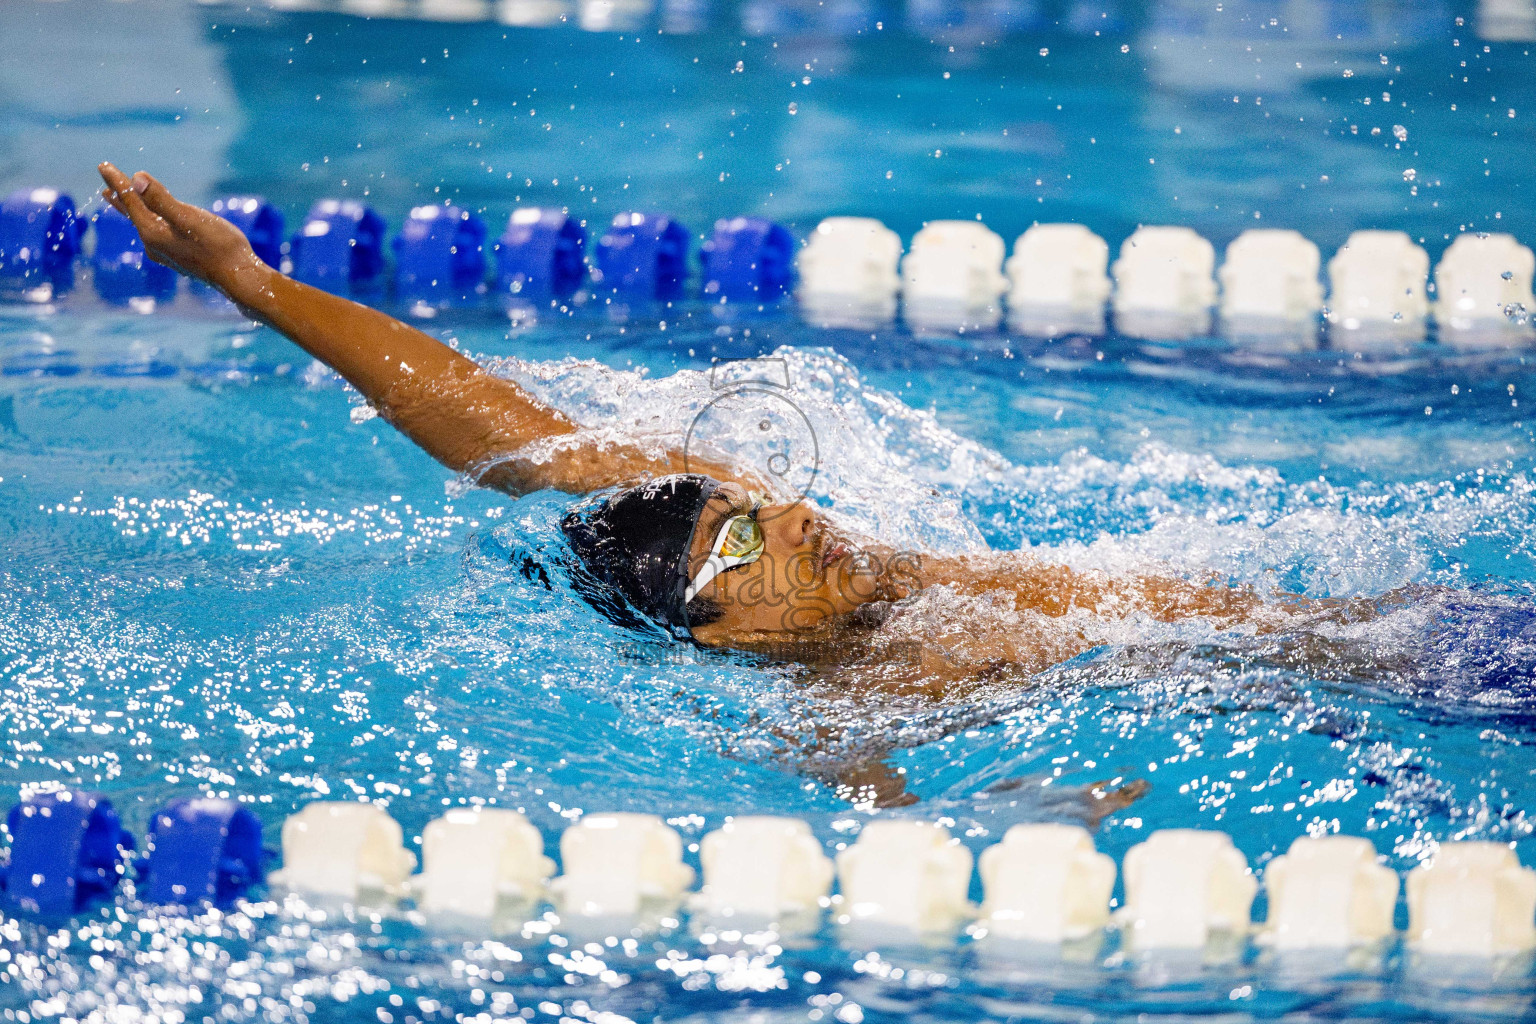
x=808 y=585
x=806 y=575
x=489 y=428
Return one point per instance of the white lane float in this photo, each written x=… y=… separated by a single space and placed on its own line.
x=952 y=277
x=1182 y=887
x=616 y=864
x=1046 y=883
x=453 y=10
x=367 y=8
x=1329 y=892
x=1377 y=283
x=908 y=874
x=848 y=272
x=1270 y=286
x=532 y=13
x=1506 y=20
x=1164 y=284
x=476 y=859
x=350 y=850
x=1472 y=899
x=1483 y=290
x=763 y=867
x=1059 y=281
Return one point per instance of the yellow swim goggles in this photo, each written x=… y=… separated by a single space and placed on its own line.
x=740 y=542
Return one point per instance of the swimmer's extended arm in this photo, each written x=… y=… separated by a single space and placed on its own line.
x=1057 y=590
x=464 y=417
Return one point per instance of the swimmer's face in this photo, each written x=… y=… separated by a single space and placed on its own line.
x=805 y=576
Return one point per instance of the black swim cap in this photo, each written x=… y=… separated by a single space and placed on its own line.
x=634 y=548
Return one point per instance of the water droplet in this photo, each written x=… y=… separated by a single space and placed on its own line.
x=1045 y=51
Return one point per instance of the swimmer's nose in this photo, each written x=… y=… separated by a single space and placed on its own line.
x=794 y=525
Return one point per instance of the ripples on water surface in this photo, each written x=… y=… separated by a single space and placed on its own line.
x=222 y=576
x=219 y=575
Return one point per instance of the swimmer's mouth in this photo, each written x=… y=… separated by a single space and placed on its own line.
x=831 y=553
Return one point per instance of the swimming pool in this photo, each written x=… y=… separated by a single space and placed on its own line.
x=223 y=576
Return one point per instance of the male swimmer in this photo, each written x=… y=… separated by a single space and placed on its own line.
x=699 y=548
x=708 y=555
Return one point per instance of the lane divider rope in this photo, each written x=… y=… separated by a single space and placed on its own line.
x=851 y=271
x=1042 y=883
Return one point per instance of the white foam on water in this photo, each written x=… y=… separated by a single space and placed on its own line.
x=880 y=465
x=896 y=474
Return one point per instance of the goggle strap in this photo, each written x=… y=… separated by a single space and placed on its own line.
x=718 y=563
x=714 y=566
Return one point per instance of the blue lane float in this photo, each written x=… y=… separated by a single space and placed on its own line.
x=340 y=248
x=121 y=271
x=260 y=222
x=541 y=255
x=40 y=237
x=748 y=259
x=200 y=850
x=643 y=256
x=67 y=848
x=440 y=256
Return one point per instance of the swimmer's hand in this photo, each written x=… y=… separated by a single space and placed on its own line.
x=181 y=236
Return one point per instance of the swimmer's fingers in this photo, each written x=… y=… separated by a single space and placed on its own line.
x=114 y=202
x=187 y=239
x=126 y=199
x=117 y=181
x=107 y=170
x=158 y=199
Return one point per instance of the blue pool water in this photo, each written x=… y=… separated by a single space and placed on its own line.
x=222 y=576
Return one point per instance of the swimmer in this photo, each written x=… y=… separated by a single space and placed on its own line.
x=708 y=554
x=696 y=547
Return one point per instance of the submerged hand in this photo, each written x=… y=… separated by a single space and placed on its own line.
x=179 y=235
